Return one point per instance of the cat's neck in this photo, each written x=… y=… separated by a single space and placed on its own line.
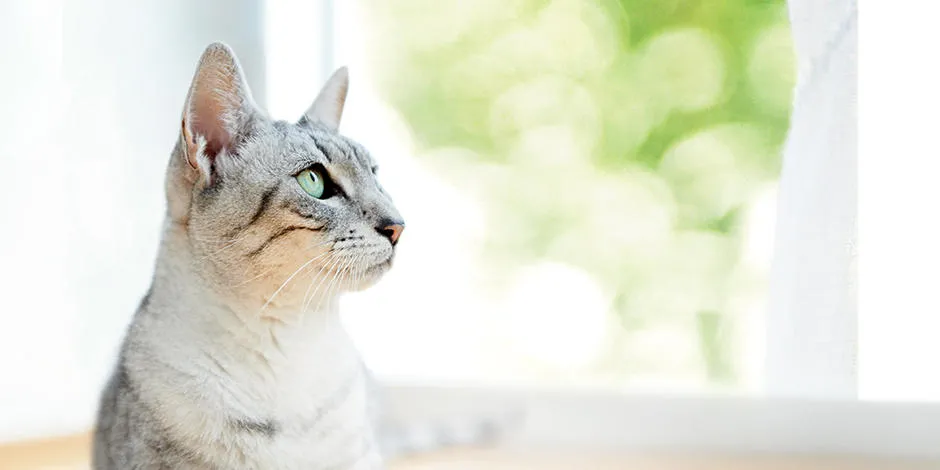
x=211 y=362
x=182 y=296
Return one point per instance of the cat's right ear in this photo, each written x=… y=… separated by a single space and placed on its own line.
x=218 y=106
x=327 y=108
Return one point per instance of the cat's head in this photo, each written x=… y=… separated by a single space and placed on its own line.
x=271 y=212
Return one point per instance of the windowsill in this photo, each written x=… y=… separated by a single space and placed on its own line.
x=603 y=422
x=71 y=453
x=564 y=430
x=499 y=460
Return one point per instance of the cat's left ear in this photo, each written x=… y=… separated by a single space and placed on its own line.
x=327 y=109
x=218 y=107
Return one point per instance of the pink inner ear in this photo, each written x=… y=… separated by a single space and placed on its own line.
x=217 y=138
x=212 y=111
x=217 y=100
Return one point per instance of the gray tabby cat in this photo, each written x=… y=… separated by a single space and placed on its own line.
x=236 y=358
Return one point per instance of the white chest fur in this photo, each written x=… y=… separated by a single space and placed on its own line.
x=289 y=397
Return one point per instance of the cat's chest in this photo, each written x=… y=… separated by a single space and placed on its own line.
x=331 y=431
x=303 y=386
x=280 y=411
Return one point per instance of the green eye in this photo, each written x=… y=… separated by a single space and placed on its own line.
x=312 y=182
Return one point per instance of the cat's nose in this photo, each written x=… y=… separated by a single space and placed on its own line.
x=391 y=229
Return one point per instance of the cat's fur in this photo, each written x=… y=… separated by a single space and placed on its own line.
x=236 y=358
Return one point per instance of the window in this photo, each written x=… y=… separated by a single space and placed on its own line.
x=604 y=178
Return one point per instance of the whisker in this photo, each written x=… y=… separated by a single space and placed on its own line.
x=225 y=245
x=255 y=277
x=332 y=285
x=327 y=267
x=217 y=240
x=360 y=274
x=313 y=280
x=228 y=243
x=335 y=274
x=359 y=271
x=290 y=278
x=266 y=271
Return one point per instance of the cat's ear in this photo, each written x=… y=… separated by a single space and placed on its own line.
x=327 y=109
x=218 y=105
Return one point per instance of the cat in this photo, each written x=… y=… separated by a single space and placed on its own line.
x=236 y=357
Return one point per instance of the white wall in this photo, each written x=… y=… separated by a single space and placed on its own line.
x=95 y=89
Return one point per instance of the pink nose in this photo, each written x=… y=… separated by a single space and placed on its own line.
x=391 y=230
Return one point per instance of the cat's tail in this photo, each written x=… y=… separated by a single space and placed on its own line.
x=406 y=439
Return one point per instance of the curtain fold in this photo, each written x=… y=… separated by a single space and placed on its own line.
x=812 y=337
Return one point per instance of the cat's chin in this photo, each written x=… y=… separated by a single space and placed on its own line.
x=369 y=276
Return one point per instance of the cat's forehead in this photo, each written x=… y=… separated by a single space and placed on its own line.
x=304 y=142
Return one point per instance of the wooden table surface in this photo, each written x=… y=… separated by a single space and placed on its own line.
x=71 y=453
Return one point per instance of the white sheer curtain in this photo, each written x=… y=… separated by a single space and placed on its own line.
x=33 y=238
x=812 y=324
x=93 y=94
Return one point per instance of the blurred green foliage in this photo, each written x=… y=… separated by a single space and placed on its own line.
x=625 y=137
